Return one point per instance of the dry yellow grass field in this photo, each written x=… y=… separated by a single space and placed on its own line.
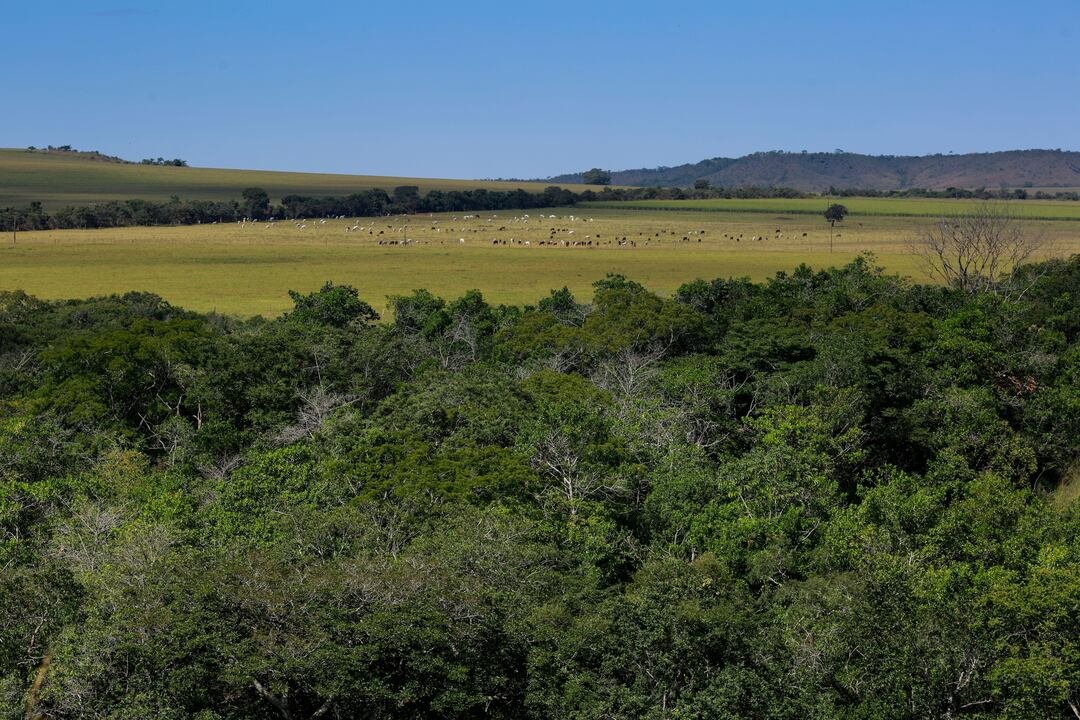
x=247 y=269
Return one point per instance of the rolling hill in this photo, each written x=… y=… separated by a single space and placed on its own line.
x=813 y=172
x=57 y=179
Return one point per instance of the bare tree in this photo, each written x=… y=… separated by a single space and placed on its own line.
x=979 y=251
x=627 y=373
x=462 y=343
x=558 y=457
x=220 y=467
x=315 y=408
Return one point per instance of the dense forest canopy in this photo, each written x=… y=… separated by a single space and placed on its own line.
x=834 y=494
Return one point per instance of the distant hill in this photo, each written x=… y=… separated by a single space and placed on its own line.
x=818 y=171
x=69 y=177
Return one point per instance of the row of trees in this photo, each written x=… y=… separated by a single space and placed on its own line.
x=120 y=214
x=175 y=162
x=702 y=190
x=833 y=494
x=68 y=149
x=408 y=199
x=981 y=193
x=255 y=203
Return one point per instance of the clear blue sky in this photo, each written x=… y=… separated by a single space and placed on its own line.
x=500 y=89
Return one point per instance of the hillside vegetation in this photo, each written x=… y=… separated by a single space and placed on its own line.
x=816 y=172
x=828 y=495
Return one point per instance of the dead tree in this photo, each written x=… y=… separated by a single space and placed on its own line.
x=979 y=251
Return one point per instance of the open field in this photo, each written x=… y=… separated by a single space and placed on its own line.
x=248 y=269
x=57 y=180
x=895 y=207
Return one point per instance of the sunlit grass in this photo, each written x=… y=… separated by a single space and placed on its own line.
x=898 y=207
x=247 y=270
x=58 y=180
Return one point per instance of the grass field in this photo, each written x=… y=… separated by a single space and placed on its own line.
x=248 y=269
x=57 y=180
x=895 y=207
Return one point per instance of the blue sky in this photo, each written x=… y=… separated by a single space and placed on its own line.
x=501 y=89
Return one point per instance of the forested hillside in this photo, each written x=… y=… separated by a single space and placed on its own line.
x=831 y=495
x=816 y=172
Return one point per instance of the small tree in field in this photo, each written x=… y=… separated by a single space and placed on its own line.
x=979 y=251
x=834 y=213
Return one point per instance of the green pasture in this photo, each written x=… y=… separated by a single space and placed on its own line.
x=57 y=180
x=896 y=207
x=248 y=269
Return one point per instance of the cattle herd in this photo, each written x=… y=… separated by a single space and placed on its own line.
x=524 y=230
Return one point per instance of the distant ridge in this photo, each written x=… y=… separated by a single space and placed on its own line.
x=813 y=172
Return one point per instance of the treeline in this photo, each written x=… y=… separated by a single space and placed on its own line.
x=70 y=150
x=119 y=214
x=406 y=199
x=175 y=162
x=702 y=190
x=833 y=494
x=958 y=193
x=256 y=206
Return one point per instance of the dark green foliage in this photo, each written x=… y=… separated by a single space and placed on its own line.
x=256 y=203
x=835 y=213
x=333 y=305
x=596 y=176
x=829 y=495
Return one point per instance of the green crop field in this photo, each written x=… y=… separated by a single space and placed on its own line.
x=58 y=179
x=896 y=207
x=247 y=269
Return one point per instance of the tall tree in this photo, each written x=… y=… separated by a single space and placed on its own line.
x=834 y=213
x=596 y=176
x=256 y=203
